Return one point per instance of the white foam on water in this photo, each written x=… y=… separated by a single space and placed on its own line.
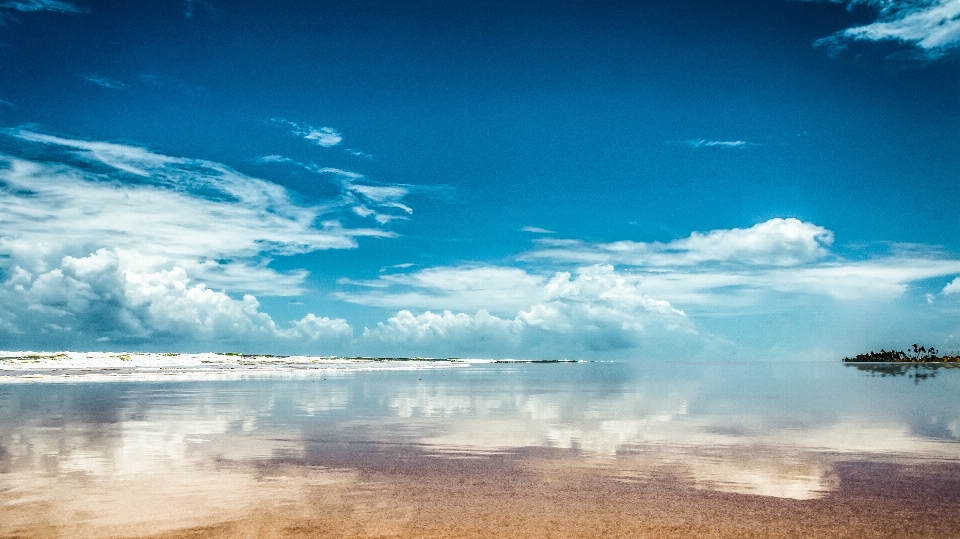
x=26 y=366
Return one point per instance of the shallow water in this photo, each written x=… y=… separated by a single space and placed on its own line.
x=143 y=457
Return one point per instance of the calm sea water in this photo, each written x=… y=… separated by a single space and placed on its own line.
x=771 y=429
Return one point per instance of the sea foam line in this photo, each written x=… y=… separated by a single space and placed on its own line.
x=28 y=366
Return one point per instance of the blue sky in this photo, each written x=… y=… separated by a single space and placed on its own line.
x=630 y=180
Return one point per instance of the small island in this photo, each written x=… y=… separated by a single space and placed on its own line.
x=918 y=354
x=919 y=362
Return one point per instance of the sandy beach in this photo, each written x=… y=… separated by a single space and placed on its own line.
x=406 y=492
x=486 y=450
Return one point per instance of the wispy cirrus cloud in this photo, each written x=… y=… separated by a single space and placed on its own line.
x=357 y=153
x=311 y=167
x=501 y=290
x=40 y=5
x=704 y=143
x=321 y=136
x=381 y=202
x=933 y=26
x=403 y=265
x=536 y=230
x=218 y=224
x=106 y=82
x=118 y=242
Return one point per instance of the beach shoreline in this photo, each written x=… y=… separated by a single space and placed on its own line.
x=384 y=491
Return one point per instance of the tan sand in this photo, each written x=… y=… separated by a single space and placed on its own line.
x=402 y=491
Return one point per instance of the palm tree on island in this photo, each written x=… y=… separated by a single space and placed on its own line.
x=918 y=354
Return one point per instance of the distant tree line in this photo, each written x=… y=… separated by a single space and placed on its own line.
x=917 y=354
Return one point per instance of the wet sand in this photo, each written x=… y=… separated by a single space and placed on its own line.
x=586 y=450
x=409 y=491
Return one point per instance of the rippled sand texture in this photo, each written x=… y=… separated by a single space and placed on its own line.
x=406 y=492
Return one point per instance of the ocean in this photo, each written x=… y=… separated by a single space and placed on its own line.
x=234 y=446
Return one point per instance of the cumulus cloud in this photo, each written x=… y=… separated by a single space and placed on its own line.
x=777 y=242
x=96 y=296
x=148 y=245
x=656 y=295
x=952 y=288
x=593 y=309
x=932 y=26
x=118 y=243
x=742 y=267
x=321 y=136
x=460 y=331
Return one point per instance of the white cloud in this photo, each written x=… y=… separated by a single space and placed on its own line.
x=602 y=309
x=106 y=83
x=274 y=159
x=536 y=230
x=736 y=268
x=596 y=309
x=117 y=242
x=156 y=212
x=322 y=136
x=497 y=289
x=331 y=170
x=701 y=143
x=398 y=266
x=777 y=242
x=112 y=243
x=380 y=202
x=357 y=153
x=455 y=331
x=365 y=199
x=98 y=296
x=40 y=5
x=931 y=25
x=379 y=194
x=732 y=291
x=952 y=288
x=661 y=293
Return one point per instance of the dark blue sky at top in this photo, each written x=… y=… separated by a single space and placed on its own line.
x=573 y=116
x=564 y=115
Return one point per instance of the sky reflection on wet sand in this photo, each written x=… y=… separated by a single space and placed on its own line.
x=144 y=458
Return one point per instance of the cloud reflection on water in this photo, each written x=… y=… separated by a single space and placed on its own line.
x=93 y=452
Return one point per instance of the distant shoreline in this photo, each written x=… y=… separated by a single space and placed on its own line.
x=945 y=359
x=913 y=355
